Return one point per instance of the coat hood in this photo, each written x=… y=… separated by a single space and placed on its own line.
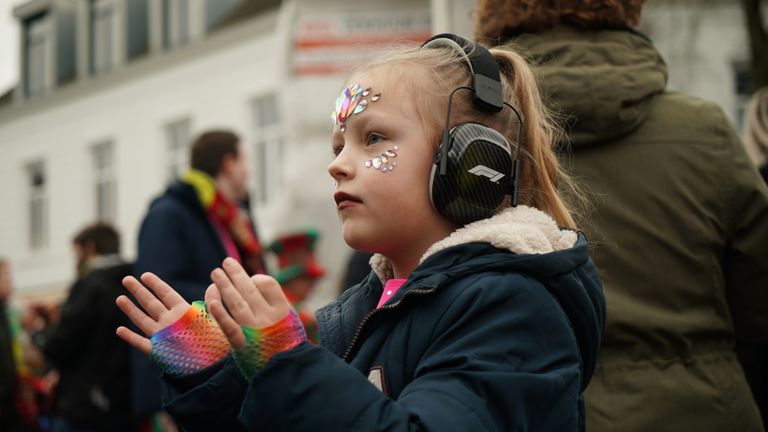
x=602 y=83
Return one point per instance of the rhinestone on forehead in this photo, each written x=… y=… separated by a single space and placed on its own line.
x=351 y=101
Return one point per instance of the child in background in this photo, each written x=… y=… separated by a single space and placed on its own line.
x=479 y=314
x=298 y=272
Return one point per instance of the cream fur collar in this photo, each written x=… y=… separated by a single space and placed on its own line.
x=522 y=230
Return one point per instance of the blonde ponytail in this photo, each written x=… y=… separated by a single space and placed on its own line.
x=541 y=173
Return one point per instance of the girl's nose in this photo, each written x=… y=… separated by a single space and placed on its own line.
x=340 y=168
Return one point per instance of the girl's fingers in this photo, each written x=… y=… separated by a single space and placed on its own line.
x=244 y=284
x=228 y=325
x=167 y=295
x=270 y=290
x=238 y=307
x=146 y=299
x=140 y=343
x=211 y=294
x=145 y=323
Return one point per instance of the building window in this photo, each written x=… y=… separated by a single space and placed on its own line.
x=137 y=28
x=66 y=44
x=268 y=147
x=176 y=19
x=179 y=135
x=36 y=46
x=102 y=35
x=105 y=182
x=219 y=11
x=38 y=206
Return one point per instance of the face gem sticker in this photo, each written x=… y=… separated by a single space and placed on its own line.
x=351 y=101
x=384 y=162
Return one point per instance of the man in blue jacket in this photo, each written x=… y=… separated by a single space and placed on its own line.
x=201 y=219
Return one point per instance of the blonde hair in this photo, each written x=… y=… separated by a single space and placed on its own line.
x=446 y=69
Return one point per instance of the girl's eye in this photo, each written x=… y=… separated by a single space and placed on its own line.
x=374 y=138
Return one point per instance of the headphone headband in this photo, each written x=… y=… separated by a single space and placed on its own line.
x=486 y=82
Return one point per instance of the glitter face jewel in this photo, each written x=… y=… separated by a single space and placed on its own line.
x=384 y=162
x=351 y=101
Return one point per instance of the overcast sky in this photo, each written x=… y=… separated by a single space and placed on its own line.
x=9 y=45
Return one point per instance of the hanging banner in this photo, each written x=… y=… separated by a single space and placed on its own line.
x=327 y=43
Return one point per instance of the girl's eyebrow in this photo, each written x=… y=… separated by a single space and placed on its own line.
x=368 y=119
x=365 y=119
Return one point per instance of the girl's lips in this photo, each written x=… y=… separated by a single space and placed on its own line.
x=344 y=200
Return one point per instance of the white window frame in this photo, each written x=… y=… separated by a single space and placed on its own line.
x=269 y=148
x=104 y=181
x=178 y=22
x=37 y=206
x=178 y=135
x=103 y=27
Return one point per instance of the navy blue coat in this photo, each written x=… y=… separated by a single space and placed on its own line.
x=178 y=244
x=478 y=339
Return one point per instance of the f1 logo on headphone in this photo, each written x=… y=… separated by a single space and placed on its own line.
x=484 y=171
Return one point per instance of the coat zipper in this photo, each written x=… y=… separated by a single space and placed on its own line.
x=359 y=331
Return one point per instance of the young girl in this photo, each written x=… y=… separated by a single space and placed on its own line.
x=492 y=324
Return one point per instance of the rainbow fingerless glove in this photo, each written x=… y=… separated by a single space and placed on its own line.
x=191 y=344
x=262 y=344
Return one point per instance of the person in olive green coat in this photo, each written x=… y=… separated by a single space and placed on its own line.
x=680 y=219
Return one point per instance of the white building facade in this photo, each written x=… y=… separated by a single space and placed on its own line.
x=112 y=92
x=97 y=137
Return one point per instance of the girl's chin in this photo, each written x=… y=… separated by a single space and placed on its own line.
x=358 y=240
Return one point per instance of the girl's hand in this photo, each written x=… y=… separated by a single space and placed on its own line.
x=256 y=301
x=163 y=308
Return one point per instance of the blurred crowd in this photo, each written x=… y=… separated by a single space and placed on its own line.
x=63 y=368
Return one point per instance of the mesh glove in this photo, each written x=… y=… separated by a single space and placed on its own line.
x=191 y=344
x=262 y=344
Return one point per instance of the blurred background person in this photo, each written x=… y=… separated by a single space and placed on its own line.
x=94 y=385
x=18 y=410
x=680 y=220
x=754 y=357
x=298 y=272
x=201 y=219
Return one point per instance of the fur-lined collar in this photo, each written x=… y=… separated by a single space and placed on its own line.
x=522 y=230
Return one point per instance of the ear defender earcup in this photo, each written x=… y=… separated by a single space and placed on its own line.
x=474 y=169
x=477 y=176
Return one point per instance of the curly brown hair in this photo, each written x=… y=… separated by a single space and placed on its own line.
x=496 y=20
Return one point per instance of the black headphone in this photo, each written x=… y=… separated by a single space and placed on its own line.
x=473 y=169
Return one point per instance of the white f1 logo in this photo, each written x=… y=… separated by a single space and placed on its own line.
x=484 y=171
